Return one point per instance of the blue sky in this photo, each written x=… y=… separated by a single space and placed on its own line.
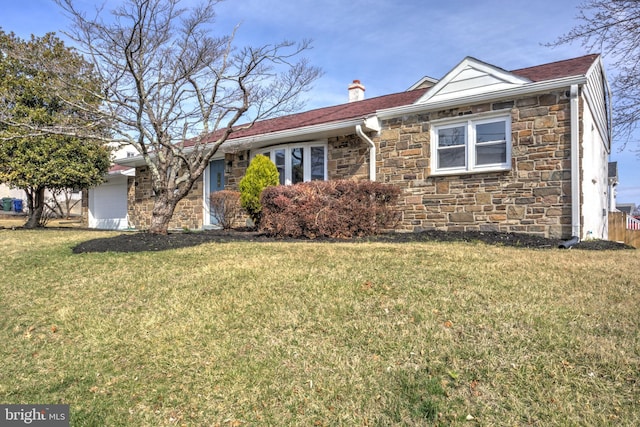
x=387 y=44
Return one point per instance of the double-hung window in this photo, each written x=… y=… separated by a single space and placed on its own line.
x=478 y=143
x=299 y=162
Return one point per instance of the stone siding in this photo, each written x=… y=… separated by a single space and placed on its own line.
x=238 y=162
x=347 y=158
x=533 y=197
x=188 y=212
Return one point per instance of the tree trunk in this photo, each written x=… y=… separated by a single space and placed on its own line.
x=161 y=215
x=35 y=201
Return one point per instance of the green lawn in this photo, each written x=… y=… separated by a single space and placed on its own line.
x=320 y=334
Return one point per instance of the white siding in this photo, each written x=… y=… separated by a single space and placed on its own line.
x=594 y=184
x=598 y=97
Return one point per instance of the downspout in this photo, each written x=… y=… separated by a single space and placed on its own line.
x=575 y=162
x=372 y=152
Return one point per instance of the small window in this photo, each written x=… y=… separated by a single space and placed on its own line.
x=299 y=163
x=473 y=145
x=317 y=163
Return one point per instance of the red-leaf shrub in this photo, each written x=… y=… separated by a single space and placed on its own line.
x=338 y=209
x=225 y=207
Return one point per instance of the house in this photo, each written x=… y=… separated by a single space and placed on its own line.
x=69 y=201
x=628 y=208
x=480 y=149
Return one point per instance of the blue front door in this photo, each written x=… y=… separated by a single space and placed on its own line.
x=216 y=180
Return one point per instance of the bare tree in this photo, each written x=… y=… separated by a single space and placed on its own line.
x=175 y=92
x=612 y=27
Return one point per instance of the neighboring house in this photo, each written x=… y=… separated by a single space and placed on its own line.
x=480 y=149
x=75 y=199
x=628 y=208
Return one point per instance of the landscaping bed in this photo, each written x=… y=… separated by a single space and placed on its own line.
x=141 y=241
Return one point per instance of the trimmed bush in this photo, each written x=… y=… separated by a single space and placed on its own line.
x=225 y=207
x=261 y=173
x=337 y=209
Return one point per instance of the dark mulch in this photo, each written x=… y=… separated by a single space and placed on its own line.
x=140 y=241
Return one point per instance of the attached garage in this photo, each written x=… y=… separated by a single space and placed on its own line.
x=108 y=202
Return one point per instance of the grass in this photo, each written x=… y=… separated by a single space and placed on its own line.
x=320 y=334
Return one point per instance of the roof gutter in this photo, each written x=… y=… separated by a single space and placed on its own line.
x=530 y=88
x=575 y=162
x=243 y=143
x=288 y=135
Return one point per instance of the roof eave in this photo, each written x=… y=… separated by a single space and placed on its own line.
x=231 y=145
x=132 y=162
x=318 y=131
x=530 y=88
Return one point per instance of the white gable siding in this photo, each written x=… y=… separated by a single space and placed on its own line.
x=468 y=86
x=598 y=96
x=471 y=77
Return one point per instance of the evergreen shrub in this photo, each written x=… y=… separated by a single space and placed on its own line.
x=260 y=174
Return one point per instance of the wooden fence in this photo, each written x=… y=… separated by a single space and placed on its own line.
x=624 y=228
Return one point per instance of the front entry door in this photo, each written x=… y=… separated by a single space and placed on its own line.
x=216 y=180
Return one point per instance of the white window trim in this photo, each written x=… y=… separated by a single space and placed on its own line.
x=470 y=162
x=306 y=146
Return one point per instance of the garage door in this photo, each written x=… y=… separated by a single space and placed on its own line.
x=108 y=205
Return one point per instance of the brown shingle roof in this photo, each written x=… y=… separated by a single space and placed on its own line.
x=555 y=70
x=353 y=110
x=336 y=113
x=118 y=168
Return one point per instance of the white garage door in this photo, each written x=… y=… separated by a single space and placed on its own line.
x=108 y=205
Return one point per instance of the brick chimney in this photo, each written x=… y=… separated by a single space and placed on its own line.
x=356 y=91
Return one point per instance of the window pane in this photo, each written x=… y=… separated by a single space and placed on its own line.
x=280 y=165
x=451 y=136
x=491 y=132
x=317 y=163
x=490 y=154
x=297 y=165
x=451 y=157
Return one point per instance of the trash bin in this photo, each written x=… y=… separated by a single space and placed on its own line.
x=17 y=205
x=6 y=203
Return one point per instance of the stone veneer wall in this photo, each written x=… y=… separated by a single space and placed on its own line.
x=188 y=212
x=533 y=197
x=239 y=163
x=347 y=158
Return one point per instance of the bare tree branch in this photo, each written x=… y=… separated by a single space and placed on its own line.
x=612 y=27
x=169 y=84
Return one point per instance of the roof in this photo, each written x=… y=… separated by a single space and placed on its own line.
x=555 y=70
x=368 y=107
x=336 y=113
x=117 y=169
x=359 y=109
